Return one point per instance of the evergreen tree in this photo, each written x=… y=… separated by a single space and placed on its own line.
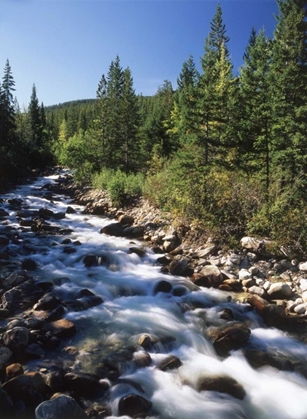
x=11 y=149
x=131 y=124
x=34 y=118
x=289 y=89
x=114 y=119
x=255 y=107
x=7 y=111
x=184 y=115
x=39 y=143
x=100 y=123
x=217 y=87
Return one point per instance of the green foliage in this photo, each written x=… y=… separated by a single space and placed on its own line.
x=78 y=153
x=119 y=184
x=283 y=218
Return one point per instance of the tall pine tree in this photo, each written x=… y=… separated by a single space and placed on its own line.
x=289 y=90
x=217 y=87
x=255 y=108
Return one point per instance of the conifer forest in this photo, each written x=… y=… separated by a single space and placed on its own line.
x=223 y=151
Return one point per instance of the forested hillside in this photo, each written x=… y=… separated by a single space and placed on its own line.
x=225 y=151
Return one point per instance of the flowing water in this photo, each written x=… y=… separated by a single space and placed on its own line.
x=131 y=308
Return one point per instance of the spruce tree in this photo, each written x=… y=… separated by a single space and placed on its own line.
x=289 y=90
x=114 y=119
x=7 y=110
x=255 y=107
x=100 y=123
x=184 y=116
x=217 y=87
x=131 y=124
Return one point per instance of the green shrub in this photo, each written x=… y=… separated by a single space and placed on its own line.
x=134 y=184
x=100 y=180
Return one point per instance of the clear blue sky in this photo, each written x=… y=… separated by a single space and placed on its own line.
x=64 y=46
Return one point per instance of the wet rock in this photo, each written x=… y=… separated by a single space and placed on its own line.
x=7 y=405
x=61 y=407
x=232 y=285
x=82 y=384
x=69 y=250
x=70 y=210
x=59 y=215
x=134 y=232
x=178 y=266
x=16 y=339
x=5 y=355
x=145 y=341
x=113 y=229
x=227 y=338
x=258 y=303
x=163 y=286
x=126 y=220
x=90 y=260
x=222 y=383
x=170 y=362
x=47 y=302
x=273 y=315
x=34 y=351
x=107 y=370
x=22 y=297
x=45 y=213
x=142 y=359
x=20 y=386
x=13 y=370
x=28 y=264
x=14 y=279
x=17 y=322
x=209 y=276
x=279 y=291
x=62 y=328
x=227 y=314
x=84 y=303
x=55 y=380
x=163 y=260
x=134 y=405
x=138 y=251
x=258 y=358
x=3 y=213
x=48 y=196
x=55 y=314
x=157 y=250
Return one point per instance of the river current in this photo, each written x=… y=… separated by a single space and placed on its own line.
x=131 y=307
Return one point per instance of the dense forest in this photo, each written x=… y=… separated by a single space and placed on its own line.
x=226 y=152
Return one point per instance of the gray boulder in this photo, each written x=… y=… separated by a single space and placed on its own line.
x=61 y=407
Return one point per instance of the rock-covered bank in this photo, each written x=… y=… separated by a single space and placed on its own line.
x=40 y=371
x=253 y=273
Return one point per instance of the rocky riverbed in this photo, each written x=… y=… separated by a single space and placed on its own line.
x=54 y=363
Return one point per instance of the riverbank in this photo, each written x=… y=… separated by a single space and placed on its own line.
x=251 y=271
